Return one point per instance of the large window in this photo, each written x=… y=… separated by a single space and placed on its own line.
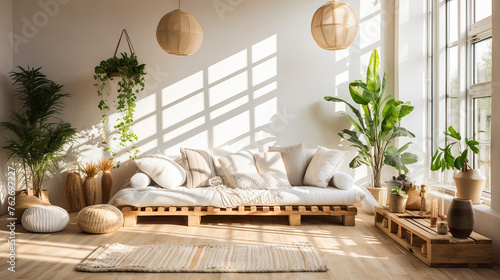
x=461 y=77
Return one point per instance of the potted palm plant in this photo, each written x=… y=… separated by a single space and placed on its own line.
x=378 y=121
x=39 y=136
x=469 y=181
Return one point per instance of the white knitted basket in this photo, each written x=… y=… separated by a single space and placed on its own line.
x=45 y=218
x=100 y=218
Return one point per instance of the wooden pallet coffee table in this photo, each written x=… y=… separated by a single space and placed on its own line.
x=414 y=233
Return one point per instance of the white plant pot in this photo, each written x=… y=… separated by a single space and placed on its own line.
x=470 y=185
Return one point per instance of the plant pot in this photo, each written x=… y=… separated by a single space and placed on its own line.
x=461 y=217
x=106 y=186
x=26 y=199
x=397 y=203
x=470 y=185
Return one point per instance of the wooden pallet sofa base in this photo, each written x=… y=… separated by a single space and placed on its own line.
x=194 y=213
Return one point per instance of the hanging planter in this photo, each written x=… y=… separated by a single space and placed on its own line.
x=179 y=33
x=131 y=82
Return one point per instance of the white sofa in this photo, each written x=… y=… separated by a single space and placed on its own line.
x=177 y=197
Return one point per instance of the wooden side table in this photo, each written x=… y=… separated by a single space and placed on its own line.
x=380 y=195
x=414 y=233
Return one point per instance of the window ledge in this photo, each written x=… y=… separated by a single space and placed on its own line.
x=451 y=191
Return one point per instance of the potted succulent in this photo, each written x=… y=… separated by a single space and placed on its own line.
x=397 y=200
x=378 y=121
x=131 y=81
x=39 y=136
x=469 y=181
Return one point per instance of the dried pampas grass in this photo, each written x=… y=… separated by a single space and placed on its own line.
x=74 y=191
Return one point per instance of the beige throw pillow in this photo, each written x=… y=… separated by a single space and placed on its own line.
x=199 y=167
x=241 y=162
x=323 y=166
x=272 y=163
x=256 y=181
x=295 y=162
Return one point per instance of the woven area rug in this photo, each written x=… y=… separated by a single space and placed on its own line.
x=287 y=257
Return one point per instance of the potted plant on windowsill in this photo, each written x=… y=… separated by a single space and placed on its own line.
x=397 y=200
x=378 y=121
x=469 y=181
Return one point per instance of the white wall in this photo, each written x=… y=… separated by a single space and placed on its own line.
x=258 y=77
x=412 y=79
x=6 y=61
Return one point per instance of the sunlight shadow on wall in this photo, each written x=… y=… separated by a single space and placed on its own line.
x=230 y=103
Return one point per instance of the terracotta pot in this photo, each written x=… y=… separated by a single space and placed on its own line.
x=397 y=203
x=461 y=217
x=26 y=199
x=470 y=185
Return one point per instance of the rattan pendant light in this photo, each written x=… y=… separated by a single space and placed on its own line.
x=179 y=33
x=334 y=26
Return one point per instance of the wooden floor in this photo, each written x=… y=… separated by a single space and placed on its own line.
x=359 y=252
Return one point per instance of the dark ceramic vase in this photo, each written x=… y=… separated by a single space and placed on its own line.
x=461 y=217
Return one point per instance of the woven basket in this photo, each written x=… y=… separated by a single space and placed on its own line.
x=380 y=195
x=100 y=218
x=90 y=190
x=106 y=186
x=74 y=192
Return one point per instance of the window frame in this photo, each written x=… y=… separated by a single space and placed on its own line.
x=469 y=32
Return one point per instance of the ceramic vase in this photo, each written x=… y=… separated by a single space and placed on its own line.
x=470 y=185
x=461 y=217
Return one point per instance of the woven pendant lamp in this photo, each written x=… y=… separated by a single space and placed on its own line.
x=179 y=33
x=334 y=26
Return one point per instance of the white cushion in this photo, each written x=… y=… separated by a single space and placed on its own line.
x=256 y=181
x=216 y=154
x=241 y=162
x=272 y=163
x=199 y=167
x=294 y=161
x=140 y=180
x=162 y=170
x=342 y=181
x=323 y=166
x=45 y=218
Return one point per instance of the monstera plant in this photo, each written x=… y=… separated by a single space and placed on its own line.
x=377 y=124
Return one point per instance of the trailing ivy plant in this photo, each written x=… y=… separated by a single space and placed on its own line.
x=131 y=83
x=377 y=122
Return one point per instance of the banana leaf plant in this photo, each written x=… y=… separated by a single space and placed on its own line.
x=376 y=124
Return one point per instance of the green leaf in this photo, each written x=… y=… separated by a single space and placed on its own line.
x=408 y=158
x=353 y=109
x=391 y=118
x=372 y=76
x=354 y=123
x=402 y=132
x=356 y=161
x=357 y=90
x=404 y=148
x=405 y=110
x=453 y=133
x=389 y=106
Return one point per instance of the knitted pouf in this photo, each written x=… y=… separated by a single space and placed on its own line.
x=45 y=218
x=100 y=218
